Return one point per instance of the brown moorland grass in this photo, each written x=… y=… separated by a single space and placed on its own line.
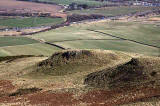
x=13 y=6
x=137 y=72
x=130 y=81
x=73 y=61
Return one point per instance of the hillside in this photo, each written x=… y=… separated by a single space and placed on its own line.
x=95 y=77
x=79 y=53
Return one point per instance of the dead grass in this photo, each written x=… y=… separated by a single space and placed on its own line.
x=6 y=87
x=154 y=19
x=140 y=71
x=18 y=67
x=25 y=91
x=121 y=80
x=73 y=61
x=13 y=6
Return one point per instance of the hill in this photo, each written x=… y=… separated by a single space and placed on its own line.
x=85 y=77
x=73 y=61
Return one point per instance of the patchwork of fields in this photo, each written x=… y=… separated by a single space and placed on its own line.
x=108 y=35
x=78 y=36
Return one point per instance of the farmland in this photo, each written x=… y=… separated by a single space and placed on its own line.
x=90 y=59
x=30 y=49
x=12 y=46
x=12 y=41
x=22 y=22
x=67 y=2
x=19 y=7
x=79 y=36
x=94 y=35
x=113 y=11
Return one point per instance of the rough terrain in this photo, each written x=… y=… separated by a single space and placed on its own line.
x=96 y=78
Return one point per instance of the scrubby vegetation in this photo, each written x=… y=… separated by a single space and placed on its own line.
x=138 y=72
x=12 y=58
x=20 y=92
x=69 y=62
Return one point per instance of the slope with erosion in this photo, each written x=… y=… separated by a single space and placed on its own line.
x=81 y=77
x=64 y=72
x=130 y=82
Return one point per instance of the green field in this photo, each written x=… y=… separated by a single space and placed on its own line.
x=12 y=41
x=136 y=37
x=113 y=11
x=67 y=2
x=29 y=22
x=79 y=37
x=12 y=46
x=31 y=49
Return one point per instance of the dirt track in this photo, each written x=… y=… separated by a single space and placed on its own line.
x=13 y=6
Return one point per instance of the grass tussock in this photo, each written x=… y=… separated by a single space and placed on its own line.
x=20 y=92
x=12 y=58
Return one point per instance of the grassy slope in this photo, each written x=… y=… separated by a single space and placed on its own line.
x=31 y=49
x=113 y=11
x=74 y=61
x=13 y=41
x=29 y=22
x=74 y=83
x=147 y=33
x=132 y=30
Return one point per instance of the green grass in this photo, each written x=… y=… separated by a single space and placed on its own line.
x=29 y=22
x=111 y=45
x=13 y=41
x=145 y=33
x=31 y=49
x=67 y=2
x=113 y=11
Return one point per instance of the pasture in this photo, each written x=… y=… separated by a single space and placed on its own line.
x=22 y=22
x=80 y=36
x=67 y=2
x=30 y=49
x=12 y=41
x=113 y=11
x=12 y=46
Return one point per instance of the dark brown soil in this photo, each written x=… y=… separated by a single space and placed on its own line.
x=6 y=87
x=50 y=99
